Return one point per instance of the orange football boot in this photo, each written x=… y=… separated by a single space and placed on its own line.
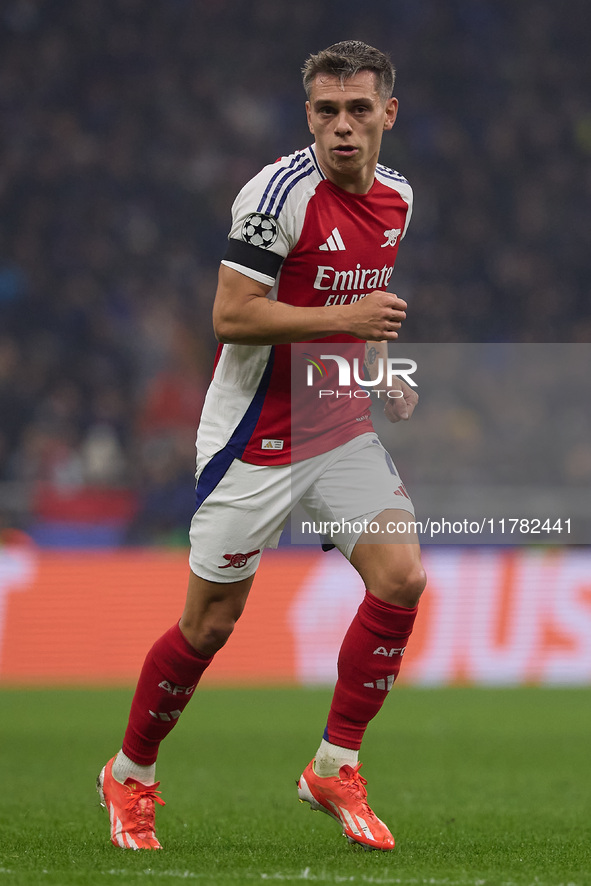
x=131 y=809
x=344 y=798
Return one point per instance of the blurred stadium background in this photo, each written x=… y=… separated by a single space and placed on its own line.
x=126 y=129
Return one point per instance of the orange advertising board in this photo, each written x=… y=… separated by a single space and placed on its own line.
x=488 y=616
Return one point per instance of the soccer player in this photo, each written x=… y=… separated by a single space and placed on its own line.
x=312 y=244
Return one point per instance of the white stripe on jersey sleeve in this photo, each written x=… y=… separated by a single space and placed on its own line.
x=279 y=188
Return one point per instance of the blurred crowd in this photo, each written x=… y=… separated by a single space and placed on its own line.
x=128 y=126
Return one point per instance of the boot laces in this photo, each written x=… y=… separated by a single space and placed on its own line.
x=354 y=782
x=351 y=778
x=140 y=805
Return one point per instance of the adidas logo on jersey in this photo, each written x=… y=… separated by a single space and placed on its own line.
x=334 y=242
x=272 y=444
x=385 y=684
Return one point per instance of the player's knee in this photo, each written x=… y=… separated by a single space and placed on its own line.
x=208 y=636
x=412 y=586
x=217 y=635
x=404 y=588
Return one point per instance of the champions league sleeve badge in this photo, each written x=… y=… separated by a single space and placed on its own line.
x=260 y=230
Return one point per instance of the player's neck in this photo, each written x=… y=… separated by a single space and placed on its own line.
x=352 y=184
x=358 y=181
x=359 y=188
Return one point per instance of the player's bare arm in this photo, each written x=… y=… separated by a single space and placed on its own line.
x=398 y=408
x=242 y=314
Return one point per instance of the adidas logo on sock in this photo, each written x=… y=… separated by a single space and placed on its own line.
x=334 y=243
x=174 y=715
x=385 y=684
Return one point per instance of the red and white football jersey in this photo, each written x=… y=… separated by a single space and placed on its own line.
x=313 y=244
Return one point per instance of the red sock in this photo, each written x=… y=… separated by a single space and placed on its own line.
x=369 y=662
x=168 y=678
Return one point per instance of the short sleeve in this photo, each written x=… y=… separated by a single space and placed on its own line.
x=258 y=242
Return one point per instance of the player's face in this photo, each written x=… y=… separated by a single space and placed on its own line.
x=348 y=121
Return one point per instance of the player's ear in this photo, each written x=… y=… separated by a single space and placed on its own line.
x=391 y=111
x=309 y=116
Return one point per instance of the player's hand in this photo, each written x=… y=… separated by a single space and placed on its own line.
x=400 y=408
x=377 y=317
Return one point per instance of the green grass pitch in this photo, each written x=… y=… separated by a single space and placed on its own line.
x=480 y=787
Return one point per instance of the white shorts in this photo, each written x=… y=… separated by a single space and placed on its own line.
x=242 y=508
